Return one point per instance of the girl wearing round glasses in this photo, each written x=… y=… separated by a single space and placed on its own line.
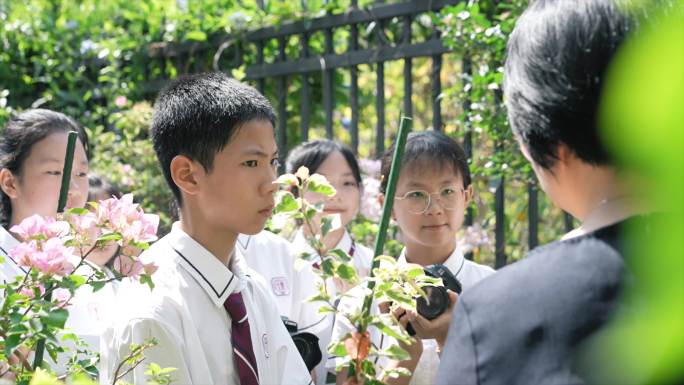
x=432 y=194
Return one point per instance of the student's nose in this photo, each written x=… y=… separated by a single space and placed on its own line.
x=74 y=193
x=268 y=187
x=434 y=206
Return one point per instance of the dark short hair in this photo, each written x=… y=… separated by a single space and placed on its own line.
x=312 y=154
x=556 y=63
x=428 y=148
x=18 y=137
x=98 y=184
x=196 y=116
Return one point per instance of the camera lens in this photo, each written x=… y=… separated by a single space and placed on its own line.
x=307 y=345
x=437 y=302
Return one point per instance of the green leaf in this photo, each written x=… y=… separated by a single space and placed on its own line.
x=347 y=273
x=196 y=36
x=388 y=330
x=77 y=211
x=318 y=184
x=338 y=349
x=77 y=279
x=11 y=342
x=396 y=352
x=340 y=254
x=286 y=180
x=286 y=203
x=328 y=267
x=56 y=318
x=109 y=237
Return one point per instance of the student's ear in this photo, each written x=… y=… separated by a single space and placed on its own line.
x=8 y=183
x=381 y=201
x=468 y=194
x=185 y=173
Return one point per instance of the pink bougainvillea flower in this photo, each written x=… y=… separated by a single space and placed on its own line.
x=62 y=297
x=128 y=266
x=37 y=226
x=127 y=218
x=30 y=292
x=50 y=257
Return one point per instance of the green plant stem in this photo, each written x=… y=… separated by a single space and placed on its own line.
x=63 y=193
x=404 y=128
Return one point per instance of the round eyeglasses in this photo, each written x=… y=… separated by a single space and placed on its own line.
x=418 y=201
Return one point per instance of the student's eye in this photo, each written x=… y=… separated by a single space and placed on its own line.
x=350 y=184
x=416 y=194
x=251 y=163
x=448 y=191
x=275 y=162
x=82 y=175
x=54 y=173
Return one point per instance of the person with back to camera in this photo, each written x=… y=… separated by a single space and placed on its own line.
x=526 y=324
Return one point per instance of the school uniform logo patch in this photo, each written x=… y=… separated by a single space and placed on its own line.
x=280 y=286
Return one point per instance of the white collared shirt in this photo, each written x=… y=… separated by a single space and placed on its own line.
x=309 y=319
x=270 y=255
x=468 y=274
x=9 y=269
x=185 y=314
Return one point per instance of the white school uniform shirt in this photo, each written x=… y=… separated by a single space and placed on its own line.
x=308 y=318
x=185 y=314
x=467 y=272
x=88 y=311
x=270 y=255
x=9 y=269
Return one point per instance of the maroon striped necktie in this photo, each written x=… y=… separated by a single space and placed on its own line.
x=243 y=353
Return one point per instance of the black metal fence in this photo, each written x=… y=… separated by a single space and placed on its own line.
x=305 y=65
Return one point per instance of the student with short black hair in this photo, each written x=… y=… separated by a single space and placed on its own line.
x=215 y=321
x=432 y=193
x=526 y=324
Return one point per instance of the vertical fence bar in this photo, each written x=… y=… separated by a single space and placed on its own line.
x=304 y=108
x=499 y=227
x=261 y=85
x=467 y=70
x=532 y=215
x=408 y=70
x=354 y=89
x=328 y=101
x=436 y=90
x=282 y=108
x=380 y=96
x=466 y=73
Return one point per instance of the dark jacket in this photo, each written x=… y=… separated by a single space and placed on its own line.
x=523 y=324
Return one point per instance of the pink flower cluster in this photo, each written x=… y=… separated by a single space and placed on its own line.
x=127 y=218
x=43 y=249
x=44 y=239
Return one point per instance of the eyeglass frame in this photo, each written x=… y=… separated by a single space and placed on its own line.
x=430 y=201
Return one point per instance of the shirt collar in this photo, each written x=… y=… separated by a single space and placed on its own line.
x=217 y=279
x=7 y=243
x=454 y=263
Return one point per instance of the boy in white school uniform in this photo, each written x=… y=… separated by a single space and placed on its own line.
x=215 y=321
x=432 y=193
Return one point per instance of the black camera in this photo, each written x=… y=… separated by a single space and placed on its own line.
x=437 y=297
x=306 y=343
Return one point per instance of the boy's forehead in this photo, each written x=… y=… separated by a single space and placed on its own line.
x=427 y=171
